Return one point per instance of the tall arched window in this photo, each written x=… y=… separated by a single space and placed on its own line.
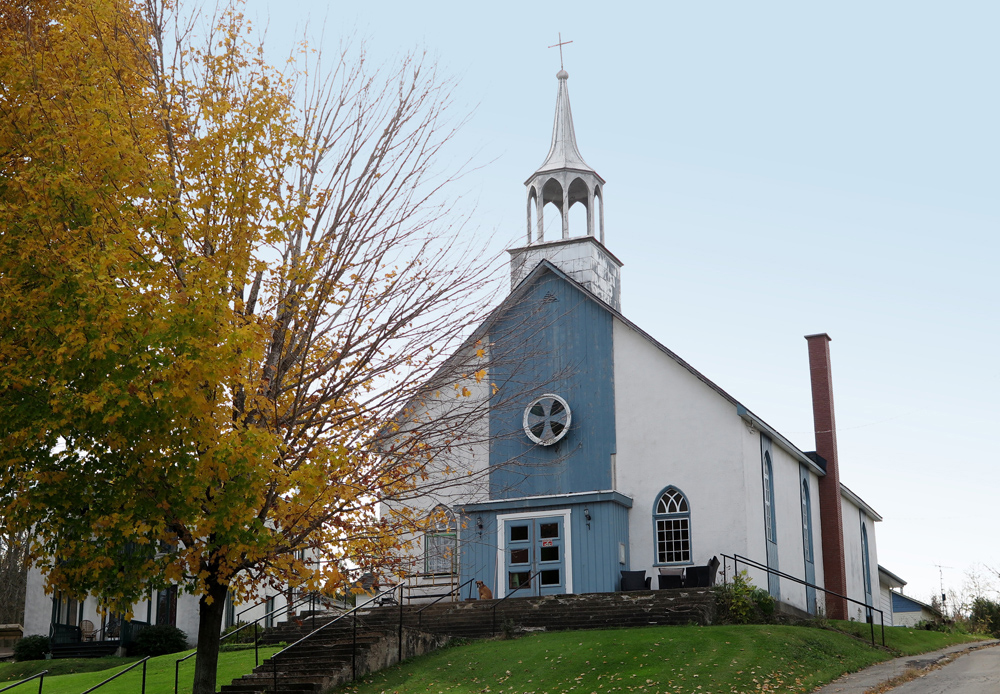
x=807 y=527
x=769 y=520
x=672 y=525
x=441 y=542
x=865 y=559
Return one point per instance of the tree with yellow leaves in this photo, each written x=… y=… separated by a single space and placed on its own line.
x=220 y=285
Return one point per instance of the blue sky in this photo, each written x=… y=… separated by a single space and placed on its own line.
x=774 y=169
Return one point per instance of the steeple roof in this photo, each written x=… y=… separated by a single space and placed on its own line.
x=563 y=153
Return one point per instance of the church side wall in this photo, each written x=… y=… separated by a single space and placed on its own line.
x=853 y=558
x=788 y=505
x=672 y=429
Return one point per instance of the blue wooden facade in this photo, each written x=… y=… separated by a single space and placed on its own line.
x=554 y=339
x=598 y=548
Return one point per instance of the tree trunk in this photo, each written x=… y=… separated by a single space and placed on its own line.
x=209 y=630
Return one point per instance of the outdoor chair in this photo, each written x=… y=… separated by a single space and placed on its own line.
x=670 y=578
x=87 y=630
x=702 y=576
x=635 y=580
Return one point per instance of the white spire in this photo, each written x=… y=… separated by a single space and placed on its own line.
x=563 y=153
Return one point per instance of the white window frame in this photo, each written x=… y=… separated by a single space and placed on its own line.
x=668 y=517
x=565 y=514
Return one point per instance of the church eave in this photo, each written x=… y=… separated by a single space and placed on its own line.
x=549 y=172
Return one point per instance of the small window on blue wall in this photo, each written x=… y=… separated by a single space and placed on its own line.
x=672 y=525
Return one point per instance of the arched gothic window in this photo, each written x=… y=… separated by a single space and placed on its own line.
x=672 y=525
x=441 y=542
x=769 y=519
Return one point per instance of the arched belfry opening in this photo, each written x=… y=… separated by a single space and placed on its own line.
x=567 y=193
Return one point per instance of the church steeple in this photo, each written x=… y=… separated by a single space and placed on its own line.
x=564 y=178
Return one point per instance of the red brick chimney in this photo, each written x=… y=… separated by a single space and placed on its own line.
x=831 y=514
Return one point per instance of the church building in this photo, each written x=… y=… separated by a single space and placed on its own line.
x=603 y=451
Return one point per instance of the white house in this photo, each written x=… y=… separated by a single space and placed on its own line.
x=606 y=451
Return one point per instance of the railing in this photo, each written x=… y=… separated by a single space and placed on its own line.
x=526 y=584
x=130 y=667
x=41 y=678
x=311 y=598
x=353 y=612
x=757 y=565
x=441 y=597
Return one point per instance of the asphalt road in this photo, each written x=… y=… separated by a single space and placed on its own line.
x=975 y=673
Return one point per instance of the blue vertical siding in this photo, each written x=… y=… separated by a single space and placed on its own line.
x=555 y=339
x=594 y=549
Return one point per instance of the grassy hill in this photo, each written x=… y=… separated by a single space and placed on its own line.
x=705 y=660
x=159 y=673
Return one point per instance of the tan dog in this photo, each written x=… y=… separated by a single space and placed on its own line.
x=484 y=591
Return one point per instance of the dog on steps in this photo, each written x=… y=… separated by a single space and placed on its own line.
x=484 y=591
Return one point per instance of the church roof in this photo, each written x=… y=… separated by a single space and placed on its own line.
x=563 y=152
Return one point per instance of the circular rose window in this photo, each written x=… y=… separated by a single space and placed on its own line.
x=547 y=419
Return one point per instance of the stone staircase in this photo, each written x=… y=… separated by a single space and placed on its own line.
x=325 y=660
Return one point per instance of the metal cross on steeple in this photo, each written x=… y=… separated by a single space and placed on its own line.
x=560 y=44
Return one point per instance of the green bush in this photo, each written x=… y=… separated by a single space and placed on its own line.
x=159 y=639
x=245 y=636
x=741 y=602
x=985 y=616
x=31 y=648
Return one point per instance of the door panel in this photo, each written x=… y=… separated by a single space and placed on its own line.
x=535 y=546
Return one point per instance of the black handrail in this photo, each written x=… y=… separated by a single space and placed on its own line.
x=526 y=584
x=41 y=678
x=750 y=562
x=113 y=677
x=177 y=668
x=440 y=598
x=256 y=638
x=353 y=611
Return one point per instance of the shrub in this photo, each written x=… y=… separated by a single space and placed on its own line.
x=31 y=648
x=245 y=636
x=741 y=602
x=985 y=615
x=159 y=639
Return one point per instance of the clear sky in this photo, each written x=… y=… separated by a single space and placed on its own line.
x=774 y=169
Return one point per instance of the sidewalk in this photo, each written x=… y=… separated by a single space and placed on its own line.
x=860 y=682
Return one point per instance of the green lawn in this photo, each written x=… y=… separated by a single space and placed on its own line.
x=705 y=660
x=159 y=673
x=904 y=640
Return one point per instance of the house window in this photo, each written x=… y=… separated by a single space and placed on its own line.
x=268 y=609
x=672 y=523
x=441 y=542
x=166 y=606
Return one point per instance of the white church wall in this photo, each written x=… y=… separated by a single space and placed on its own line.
x=755 y=538
x=817 y=541
x=672 y=429
x=853 y=558
x=458 y=476
x=788 y=505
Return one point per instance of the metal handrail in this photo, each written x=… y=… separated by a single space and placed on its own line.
x=750 y=562
x=256 y=639
x=41 y=679
x=353 y=611
x=442 y=597
x=116 y=676
x=526 y=584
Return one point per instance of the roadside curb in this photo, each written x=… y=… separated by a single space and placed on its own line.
x=884 y=673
